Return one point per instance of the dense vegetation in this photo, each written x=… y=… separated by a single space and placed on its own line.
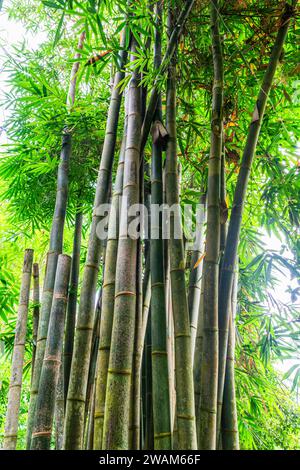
x=133 y=343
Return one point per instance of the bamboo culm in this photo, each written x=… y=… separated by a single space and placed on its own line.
x=116 y=417
x=209 y=372
x=230 y=253
x=72 y=303
x=45 y=405
x=36 y=310
x=196 y=275
x=15 y=384
x=108 y=294
x=75 y=408
x=171 y=49
x=185 y=408
x=229 y=426
x=59 y=413
x=55 y=247
x=160 y=379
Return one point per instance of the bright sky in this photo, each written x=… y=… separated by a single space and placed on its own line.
x=12 y=32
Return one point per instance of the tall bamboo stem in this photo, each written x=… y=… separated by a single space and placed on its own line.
x=72 y=303
x=55 y=246
x=171 y=49
x=160 y=379
x=59 y=413
x=229 y=427
x=196 y=275
x=209 y=372
x=74 y=420
x=115 y=434
x=234 y=228
x=15 y=385
x=185 y=408
x=45 y=405
x=108 y=294
x=36 y=310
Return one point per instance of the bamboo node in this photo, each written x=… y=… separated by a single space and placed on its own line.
x=187 y=417
x=212 y=412
x=60 y=296
x=92 y=265
x=82 y=328
x=182 y=335
x=155 y=180
x=76 y=399
x=112 y=283
x=52 y=358
x=177 y=269
x=120 y=371
x=125 y=292
x=157 y=284
x=41 y=433
x=159 y=353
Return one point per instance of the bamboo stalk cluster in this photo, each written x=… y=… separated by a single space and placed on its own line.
x=150 y=364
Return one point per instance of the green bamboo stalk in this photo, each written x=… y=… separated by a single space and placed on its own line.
x=160 y=376
x=115 y=432
x=45 y=405
x=55 y=246
x=94 y=354
x=36 y=310
x=196 y=277
x=15 y=385
x=90 y=391
x=229 y=427
x=75 y=409
x=90 y=427
x=72 y=303
x=149 y=431
x=141 y=348
x=135 y=425
x=234 y=228
x=185 y=408
x=59 y=410
x=108 y=294
x=209 y=369
x=198 y=359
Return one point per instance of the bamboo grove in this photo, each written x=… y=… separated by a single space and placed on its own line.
x=133 y=337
